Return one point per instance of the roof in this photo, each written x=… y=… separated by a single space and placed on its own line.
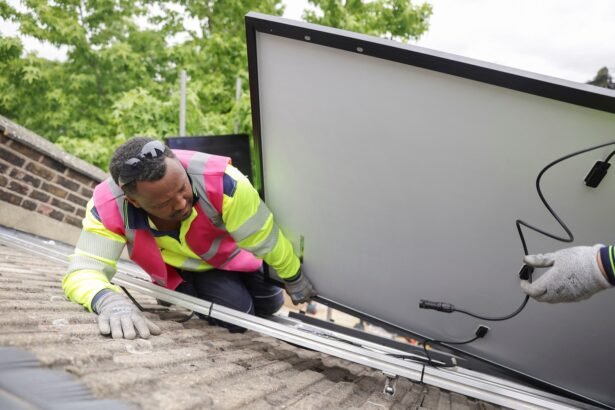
x=192 y=364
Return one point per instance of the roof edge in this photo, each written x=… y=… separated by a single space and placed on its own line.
x=26 y=137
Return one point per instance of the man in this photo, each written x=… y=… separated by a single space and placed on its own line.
x=194 y=223
x=575 y=273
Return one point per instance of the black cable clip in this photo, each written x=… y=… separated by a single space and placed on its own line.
x=595 y=175
x=526 y=272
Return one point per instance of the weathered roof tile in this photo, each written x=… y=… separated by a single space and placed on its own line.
x=192 y=365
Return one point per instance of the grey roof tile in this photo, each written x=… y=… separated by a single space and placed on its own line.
x=192 y=365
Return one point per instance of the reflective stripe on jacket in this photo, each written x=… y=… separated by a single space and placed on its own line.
x=207 y=236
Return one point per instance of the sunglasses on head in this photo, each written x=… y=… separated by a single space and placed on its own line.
x=133 y=166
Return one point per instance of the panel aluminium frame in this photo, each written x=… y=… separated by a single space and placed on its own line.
x=370 y=354
x=459 y=380
x=362 y=50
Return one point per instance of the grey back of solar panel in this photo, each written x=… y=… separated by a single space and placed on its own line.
x=403 y=171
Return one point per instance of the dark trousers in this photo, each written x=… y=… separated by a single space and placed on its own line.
x=245 y=292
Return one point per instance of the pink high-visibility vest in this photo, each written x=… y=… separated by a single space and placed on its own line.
x=206 y=236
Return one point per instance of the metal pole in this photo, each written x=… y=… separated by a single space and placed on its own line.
x=182 y=103
x=237 y=97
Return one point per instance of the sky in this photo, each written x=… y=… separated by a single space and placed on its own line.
x=568 y=39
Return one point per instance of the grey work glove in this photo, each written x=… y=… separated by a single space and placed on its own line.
x=299 y=288
x=574 y=275
x=118 y=316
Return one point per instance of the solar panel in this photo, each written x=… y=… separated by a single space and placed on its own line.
x=403 y=171
x=235 y=146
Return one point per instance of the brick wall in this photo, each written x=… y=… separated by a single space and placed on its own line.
x=38 y=177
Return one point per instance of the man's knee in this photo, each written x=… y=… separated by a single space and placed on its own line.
x=268 y=305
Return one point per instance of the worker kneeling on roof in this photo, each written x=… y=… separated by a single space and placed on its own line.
x=194 y=223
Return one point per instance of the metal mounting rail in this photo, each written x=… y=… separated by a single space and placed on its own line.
x=474 y=384
x=465 y=382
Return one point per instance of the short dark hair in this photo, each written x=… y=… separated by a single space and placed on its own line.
x=152 y=169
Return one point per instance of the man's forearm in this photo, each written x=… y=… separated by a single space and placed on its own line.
x=82 y=285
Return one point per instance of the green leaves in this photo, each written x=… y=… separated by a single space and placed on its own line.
x=138 y=112
x=120 y=78
x=396 y=19
x=31 y=72
x=10 y=48
x=96 y=150
x=603 y=79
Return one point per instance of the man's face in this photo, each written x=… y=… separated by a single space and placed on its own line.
x=170 y=198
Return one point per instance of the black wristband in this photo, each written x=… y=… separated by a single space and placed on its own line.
x=98 y=296
x=607 y=257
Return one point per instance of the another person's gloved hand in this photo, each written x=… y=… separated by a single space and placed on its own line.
x=574 y=275
x=118 y=316
x=299 y=288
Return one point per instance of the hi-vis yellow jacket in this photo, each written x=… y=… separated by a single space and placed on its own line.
x=240 y=214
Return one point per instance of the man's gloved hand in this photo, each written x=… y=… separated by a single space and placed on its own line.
x=299 y=288
x=118 y=316
x=574 y=275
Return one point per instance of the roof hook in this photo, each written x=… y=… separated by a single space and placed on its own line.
x=389 y=385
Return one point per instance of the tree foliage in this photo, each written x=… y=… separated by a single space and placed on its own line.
x=395 y=19
x=120 y=77
x=603 y=79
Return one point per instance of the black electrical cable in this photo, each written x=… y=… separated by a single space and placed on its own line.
x=609 y=157
x=445 y=307
x=429 y=360
x=498 y=318
x=159 y=311
x=480 y=332
x=432 y=341
x=137 y=304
